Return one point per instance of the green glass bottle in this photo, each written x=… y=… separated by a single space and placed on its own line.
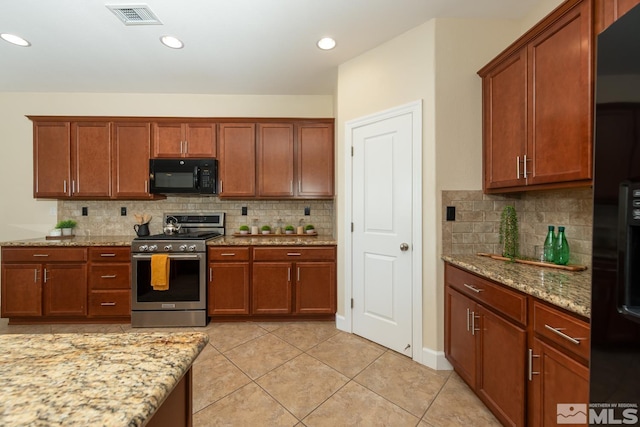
x=549 y=245
x=561 y=252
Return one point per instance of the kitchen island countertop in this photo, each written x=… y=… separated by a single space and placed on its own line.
x=565 y=289
x=91 y=379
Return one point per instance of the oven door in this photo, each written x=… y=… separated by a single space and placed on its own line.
x=187 y=283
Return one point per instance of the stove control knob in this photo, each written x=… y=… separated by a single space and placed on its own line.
x=143 y=248
x=153 y=248
x=192 y=248
x=183 y=248
x=168 y=248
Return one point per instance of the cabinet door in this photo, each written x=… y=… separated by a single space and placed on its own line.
x=505 y=122
x=315 y=287
x=501 y=376
x=275 y=160
x=271 y=288
x=237 y=160
x=200 y=139
x=608 y=11
x=52 y=159
x=228 y=288
x=560 y=104
x=460 y=336
x=65 y=289
x=314 y=160
x=132 y=148
x=557 y=379
x=167 y=140
x=21 y=290
x=91 y=156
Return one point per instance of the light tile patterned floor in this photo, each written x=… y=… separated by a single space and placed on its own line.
x=309 y=374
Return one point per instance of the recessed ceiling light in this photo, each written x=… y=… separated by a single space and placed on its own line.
x=171 y=42
x=13 y=39
x=326 y=43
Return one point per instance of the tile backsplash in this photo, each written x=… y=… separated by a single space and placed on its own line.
x=477 y=221
x=104 y=217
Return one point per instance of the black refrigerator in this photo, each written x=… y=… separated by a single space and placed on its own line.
x=615 y=295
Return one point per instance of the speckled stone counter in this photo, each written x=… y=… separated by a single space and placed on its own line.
x=566 y=289
x=91 y=379
x=74 y=241
x=276 y=240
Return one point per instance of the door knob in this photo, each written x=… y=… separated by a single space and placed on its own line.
x=404 y=247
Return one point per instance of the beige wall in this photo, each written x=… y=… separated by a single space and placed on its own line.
x=23 y=217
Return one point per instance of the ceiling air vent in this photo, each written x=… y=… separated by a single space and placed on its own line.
x=138 y=14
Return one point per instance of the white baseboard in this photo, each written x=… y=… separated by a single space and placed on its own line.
x=341 y=323
x=435 y=360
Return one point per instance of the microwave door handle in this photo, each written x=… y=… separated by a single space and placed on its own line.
x=626 y=234
x=196 y=177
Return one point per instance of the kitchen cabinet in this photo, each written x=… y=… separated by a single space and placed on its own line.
x=537 y=105
x=314 y=160
x=174 y=139
x=275 y=160
x=293 y=281
x=51 y=159
x=131 y=152
x=109 y=282
x=460 y=334
x=228 y=288
x=608 y=11
x=44 y=282
x=237 y=160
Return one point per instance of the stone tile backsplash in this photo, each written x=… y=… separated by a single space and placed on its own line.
x=104 y=217
x=477 y=221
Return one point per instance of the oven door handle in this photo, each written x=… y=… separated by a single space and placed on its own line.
x=171 y=256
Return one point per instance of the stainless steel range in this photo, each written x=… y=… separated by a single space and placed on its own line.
x=184 y=303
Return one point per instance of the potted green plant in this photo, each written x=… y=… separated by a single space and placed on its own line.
x=66 y=226
x=509 y=232
x=244 y=229
x=310 y=229
x=266 y=229
x=289 y=229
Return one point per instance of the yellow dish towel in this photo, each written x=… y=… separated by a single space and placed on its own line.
x=160 y=272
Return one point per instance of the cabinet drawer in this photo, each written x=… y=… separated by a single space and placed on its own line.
x=43 y=254
x=506 y=301
x=109 y=303
x=294 y=253
x=110 y=276
x=110 y=254
x=568 y=332
x=229 y=254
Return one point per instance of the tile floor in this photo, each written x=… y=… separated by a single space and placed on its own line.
x=310 y=374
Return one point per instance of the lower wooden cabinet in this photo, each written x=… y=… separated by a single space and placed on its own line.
x=521 y=356
x=110 y=282
x=228 y=281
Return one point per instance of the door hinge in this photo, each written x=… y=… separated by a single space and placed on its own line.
x=351 y=151
x=352 y=227
x=351 y=302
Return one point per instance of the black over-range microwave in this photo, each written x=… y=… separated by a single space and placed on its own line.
x=183 y=176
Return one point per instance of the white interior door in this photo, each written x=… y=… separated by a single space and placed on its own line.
x=382 y=232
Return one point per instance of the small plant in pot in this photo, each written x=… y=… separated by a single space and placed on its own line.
x=244 y=229
x=310 y=229
x=266 y=229
x=66 y=226
x=289 y=229
x=509 y=232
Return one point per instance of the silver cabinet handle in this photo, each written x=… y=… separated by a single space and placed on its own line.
x=64 y=186
x=288 y=274
x=291 y=186
x=404 y=247
x=518 y=167
x=108 y=276
x=524 y=165
x=35 y=275
x=107 y=255
x=220 y=186
x=186 y=147
x=146 y=186
x=473 y=323
x=210 y=274
x=468 y=312
x=180 y=147
x=107 y=304
x=556 y=331
x=230 y=254
x=299 y=186
x=73 y=186
x=298 y=274
x=473 y=288
x=530 y=362
x=293 y=254
x=45 y=276
x=41 y=255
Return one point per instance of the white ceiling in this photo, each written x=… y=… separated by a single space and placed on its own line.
x=231 y=46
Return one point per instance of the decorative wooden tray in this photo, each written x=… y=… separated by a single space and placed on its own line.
x=68 y=236
x=570 y=267
x=275 y=235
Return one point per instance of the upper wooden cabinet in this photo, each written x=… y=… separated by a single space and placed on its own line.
x=51 y=159
x=608 y=11
x=537 y=105
x=173 y=139
x=131 y=149
x=314 y=160
x=275 y=160
x=237 y=160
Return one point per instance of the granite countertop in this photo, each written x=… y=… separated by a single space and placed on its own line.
x=91 y=379
x=274 y=240
x=566 y=289
x=74 y=241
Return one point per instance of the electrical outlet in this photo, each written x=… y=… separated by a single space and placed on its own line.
x=244 y=210
x=123 y=211
x=307 y=210
x=85 y=211
x=451 y=213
